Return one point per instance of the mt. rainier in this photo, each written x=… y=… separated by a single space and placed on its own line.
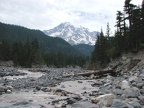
x=73 y=35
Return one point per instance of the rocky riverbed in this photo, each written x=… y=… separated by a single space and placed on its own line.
x=46 y=88
x=49 y=88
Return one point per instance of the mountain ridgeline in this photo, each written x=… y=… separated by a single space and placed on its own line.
x=73 y=35
x=14 y=33
x=26 y=47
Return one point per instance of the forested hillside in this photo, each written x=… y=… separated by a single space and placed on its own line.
x=85 y=48
x=129 y=35
x=13 y=33
x=26 y=47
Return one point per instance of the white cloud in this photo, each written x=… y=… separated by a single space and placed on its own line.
x=46 y=14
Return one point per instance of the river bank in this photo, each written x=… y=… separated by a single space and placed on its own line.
x=48 y=88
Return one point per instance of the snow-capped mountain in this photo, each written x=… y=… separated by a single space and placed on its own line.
x=73 y=35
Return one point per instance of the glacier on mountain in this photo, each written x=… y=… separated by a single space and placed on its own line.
x=73 y=35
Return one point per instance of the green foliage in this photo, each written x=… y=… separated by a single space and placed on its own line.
x=100 y=52
x=85 y=49
x=128 y=37
x=112 y=52
x=63 y=60
x=5 y=51
x=28 y=54
x=12 y=33
x=27 y=47
x=20 y=54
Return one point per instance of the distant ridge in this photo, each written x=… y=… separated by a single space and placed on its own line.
x=73 y=35
x=14 y=33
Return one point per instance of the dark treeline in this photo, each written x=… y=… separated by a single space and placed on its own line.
x=14 y=33
x=29 y=54
x=129 y=35
x=21 y=54
x=63 y=60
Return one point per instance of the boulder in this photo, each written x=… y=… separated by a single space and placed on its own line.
x=104 y=100
x=135 y=79
x=135 y=104
x=71 y=100
x=141 y=98
x=118 y=92
x=132 y=92
x=3 y=89
x=140 y=85
x=92 y=76
x=125 y=84
x=120 y=104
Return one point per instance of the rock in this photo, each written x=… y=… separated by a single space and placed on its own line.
x=58 y=90
x=118 y=87
x=80 y=82
x=142 y=71
x=71 y=101
x=135 y=104
x=140 y=85
x=118 y=92
x=135 y=79
x=132 y=92
x=62 y=86
x=46 y=89
x=92 y=76
x=98 y=83
x=64 y=105
x=9 y=91
x=9 y=87
x=107 y=84
x=141 y=98
x=84 y=104
x=133 y=99
x=104 y=100
x=134 y=84
x=77 y=97
x=38 y=88
x=119 y=104
x=3 y=89
x=142 y=74
x=21 y=103
x=125 y=84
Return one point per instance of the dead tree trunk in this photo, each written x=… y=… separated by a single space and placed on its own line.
x=98 y=73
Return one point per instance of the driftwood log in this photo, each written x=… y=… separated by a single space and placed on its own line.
x=98 y=73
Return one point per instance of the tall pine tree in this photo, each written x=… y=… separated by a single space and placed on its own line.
x=100 y=52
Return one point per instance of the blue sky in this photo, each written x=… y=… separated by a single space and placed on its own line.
x=46 y=14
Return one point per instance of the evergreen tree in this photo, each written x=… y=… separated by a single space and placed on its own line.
x=100 y=52
x=35 y=55
x=135 y=28
x=142 y=23
x=128 y=9
x=5 y=51
x=108 y=30
x=119 y=19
